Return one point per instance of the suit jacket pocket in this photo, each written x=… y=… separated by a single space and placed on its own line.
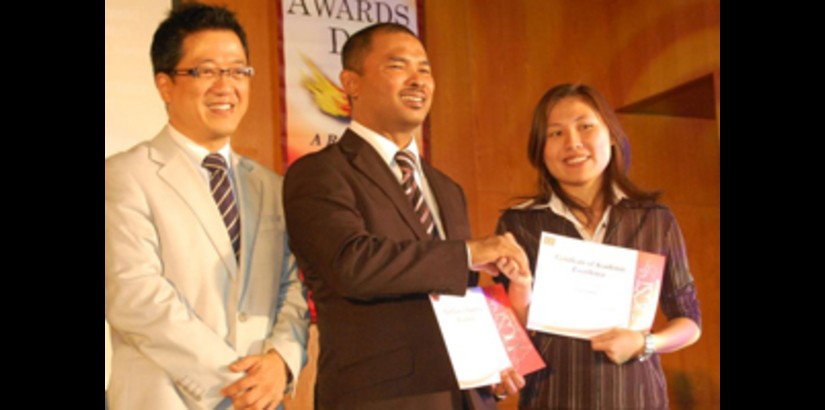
x=377 y=368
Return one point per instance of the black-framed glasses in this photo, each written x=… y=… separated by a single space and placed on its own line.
x=210 y=72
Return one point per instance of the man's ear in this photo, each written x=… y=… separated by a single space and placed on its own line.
x=350 y=80
x=164 y=84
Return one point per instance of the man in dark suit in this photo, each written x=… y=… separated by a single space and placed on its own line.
x=375 y=233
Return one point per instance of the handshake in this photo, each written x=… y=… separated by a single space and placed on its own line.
x=501 y=254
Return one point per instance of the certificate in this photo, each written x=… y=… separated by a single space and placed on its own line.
x=483 y=336
x=582 y=289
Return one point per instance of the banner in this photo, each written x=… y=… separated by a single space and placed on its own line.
x=312 y=35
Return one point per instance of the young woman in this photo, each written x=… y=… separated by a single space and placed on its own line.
x=579 y=150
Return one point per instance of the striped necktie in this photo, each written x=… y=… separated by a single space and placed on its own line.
x=222 y=194
x=406 y=161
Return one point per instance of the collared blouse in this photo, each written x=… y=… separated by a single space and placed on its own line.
x=576 y=376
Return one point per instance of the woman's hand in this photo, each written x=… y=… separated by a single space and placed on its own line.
x=520 y=289
x=620 y=345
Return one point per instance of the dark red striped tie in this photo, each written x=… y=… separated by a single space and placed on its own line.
x=222 y=194
x=406 y=161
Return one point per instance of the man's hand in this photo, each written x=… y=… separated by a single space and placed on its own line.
x=499 y=253
x=264 y=383
x=511 y=383
x=518 y=277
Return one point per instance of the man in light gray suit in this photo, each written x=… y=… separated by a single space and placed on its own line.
x=202 y=292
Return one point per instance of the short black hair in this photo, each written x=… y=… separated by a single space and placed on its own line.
x=358 y=45
x=186 y=19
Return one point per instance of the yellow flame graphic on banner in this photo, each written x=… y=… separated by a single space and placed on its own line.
x=329 y=98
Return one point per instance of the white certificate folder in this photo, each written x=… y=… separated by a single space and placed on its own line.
x=483 y=336
x=582 y=289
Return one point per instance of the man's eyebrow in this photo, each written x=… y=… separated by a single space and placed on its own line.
x=406 y=60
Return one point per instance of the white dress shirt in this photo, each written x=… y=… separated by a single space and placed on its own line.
x=559 y=208
x=197 y=154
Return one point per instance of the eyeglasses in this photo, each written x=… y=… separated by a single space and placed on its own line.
x=211 y=73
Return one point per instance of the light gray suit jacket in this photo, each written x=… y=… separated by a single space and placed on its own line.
x=180 y=308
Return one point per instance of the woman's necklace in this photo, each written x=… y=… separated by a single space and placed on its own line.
x=589 y=224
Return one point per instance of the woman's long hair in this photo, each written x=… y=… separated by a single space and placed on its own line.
x=616 y=170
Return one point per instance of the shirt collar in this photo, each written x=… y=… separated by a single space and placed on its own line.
x=557 y=206
x=385 y=148
x=195 y=152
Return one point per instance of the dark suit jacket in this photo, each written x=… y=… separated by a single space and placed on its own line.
x=370 y=265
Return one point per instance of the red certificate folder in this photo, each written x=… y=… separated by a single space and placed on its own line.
x=520 y=349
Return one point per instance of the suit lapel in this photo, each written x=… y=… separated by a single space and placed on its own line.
x=364 y=158
x=249 y=197
x=177 y=171
x=446 y=211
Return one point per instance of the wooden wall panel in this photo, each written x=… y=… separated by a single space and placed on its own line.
x=447 y=39
x=259 y=135
x=682 y=157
